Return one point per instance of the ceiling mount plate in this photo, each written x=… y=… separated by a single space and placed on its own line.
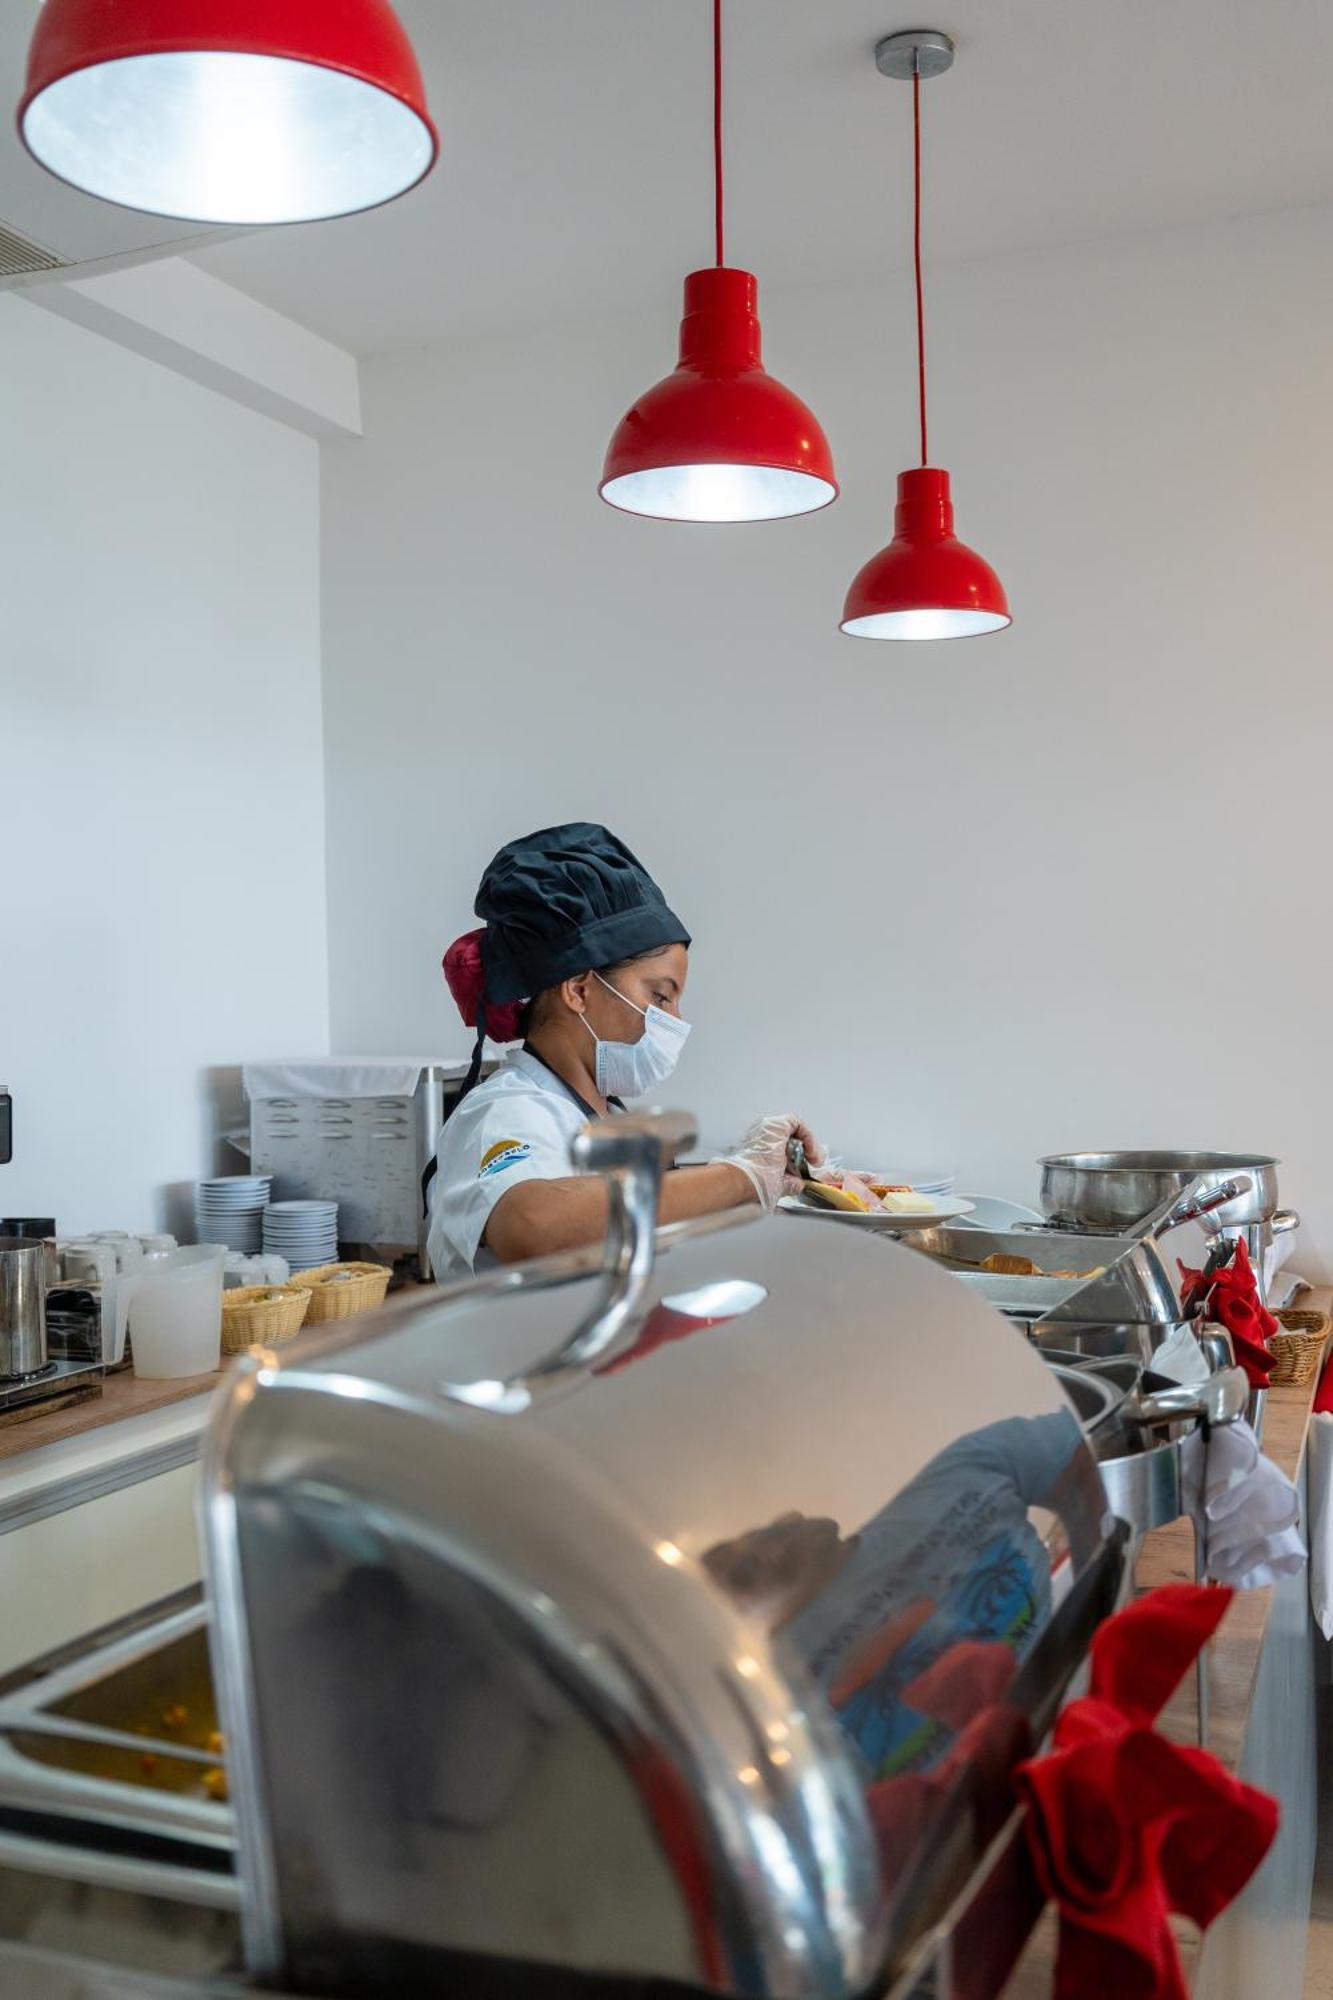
x=914 y=52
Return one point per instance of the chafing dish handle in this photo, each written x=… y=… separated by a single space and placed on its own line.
x=631 y=1153
x=1222 y=1399
x=1189 y=1205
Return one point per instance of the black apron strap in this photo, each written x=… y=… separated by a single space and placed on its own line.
x=469 y=1082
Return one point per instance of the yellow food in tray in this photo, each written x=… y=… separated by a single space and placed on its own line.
x=1005 y=1264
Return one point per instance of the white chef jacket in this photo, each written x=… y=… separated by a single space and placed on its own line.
x=516 y=1126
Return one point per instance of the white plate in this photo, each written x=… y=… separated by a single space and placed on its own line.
x=946 y=1209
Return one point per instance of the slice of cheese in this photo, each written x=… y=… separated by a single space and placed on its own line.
x=907 y=1201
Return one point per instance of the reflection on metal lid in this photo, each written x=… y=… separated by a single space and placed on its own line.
x=725 y=1298
x=509 y=1398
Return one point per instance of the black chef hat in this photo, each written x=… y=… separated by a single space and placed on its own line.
x=565 y=899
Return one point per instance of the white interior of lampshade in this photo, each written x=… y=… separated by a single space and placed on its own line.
x=925 y=624
x=719 y=492
x=228 y=138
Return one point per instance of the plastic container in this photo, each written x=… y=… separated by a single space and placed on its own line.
x=175 y=1313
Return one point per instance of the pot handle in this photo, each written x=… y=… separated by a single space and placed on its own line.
x=1283 y=1220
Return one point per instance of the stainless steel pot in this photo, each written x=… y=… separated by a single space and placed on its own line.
x=23 y=1276
x=1113 y=1192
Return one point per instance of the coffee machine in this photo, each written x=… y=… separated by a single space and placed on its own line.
x=50 y=1330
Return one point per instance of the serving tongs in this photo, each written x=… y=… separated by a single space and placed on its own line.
x=816 y=1192
x=1194 y=1204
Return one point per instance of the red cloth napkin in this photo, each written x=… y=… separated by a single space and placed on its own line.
x=1231 y=1297
x=1125 y=1827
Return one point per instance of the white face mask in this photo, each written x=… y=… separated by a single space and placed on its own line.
x=629 y=1069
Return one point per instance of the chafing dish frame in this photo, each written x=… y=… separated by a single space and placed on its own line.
x=262 y=1913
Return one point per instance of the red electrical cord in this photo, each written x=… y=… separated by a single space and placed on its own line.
x=916 y=257
x=717 y=129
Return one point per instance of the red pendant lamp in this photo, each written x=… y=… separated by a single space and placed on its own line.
x=926 y=584
x=228 y=111
x=719 y=439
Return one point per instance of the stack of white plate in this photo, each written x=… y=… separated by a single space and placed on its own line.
x=925 y=1182
x=230 y=1210
x=304 y=1232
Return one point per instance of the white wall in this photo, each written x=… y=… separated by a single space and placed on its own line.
x=961 y=904
x=161 y=797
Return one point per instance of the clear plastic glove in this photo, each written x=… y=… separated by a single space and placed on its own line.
x=762 y=1155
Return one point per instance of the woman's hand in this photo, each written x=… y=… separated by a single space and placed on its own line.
x=762 y=1155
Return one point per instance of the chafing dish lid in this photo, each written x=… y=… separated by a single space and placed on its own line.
x=821 y=1464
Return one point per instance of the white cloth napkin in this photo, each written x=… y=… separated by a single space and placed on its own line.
x=1246 y=1510
x=1180 y=1358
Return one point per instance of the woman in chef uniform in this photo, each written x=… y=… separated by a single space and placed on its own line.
x=582 y=960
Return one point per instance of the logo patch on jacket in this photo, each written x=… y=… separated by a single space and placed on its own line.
x=505 y=1153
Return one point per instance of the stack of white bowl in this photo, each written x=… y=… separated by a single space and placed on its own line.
x=231 y=1209
x=304 y=1232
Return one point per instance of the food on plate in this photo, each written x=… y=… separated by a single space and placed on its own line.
x=839 y=1187
x=904 y=1201
x=824 y=1194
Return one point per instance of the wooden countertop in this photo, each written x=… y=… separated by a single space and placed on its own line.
x=123 y=1395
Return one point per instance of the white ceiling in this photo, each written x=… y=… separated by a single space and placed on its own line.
x=575 y=172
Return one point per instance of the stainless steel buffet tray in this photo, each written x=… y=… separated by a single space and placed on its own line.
x=1105 y=1279
x=105 y=1746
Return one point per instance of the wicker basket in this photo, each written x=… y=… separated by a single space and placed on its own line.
x=1299 y=1347
x=261 y=1315
x=336 y=1291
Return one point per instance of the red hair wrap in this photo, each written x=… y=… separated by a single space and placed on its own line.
x=465 y=976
